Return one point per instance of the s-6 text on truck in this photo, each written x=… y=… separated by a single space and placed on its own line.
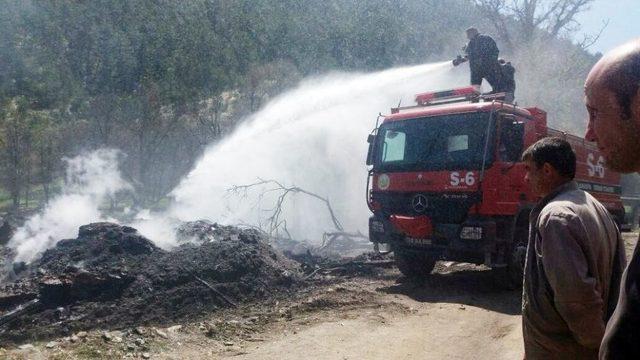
x=446 y=181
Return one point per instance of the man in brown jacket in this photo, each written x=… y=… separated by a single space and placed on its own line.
x=574 y=260
x=612 y=97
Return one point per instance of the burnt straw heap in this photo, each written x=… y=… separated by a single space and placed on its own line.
x=113 y=277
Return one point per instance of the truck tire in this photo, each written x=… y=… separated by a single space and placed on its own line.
x=413 y=264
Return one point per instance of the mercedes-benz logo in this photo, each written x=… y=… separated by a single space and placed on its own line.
x=419 y=203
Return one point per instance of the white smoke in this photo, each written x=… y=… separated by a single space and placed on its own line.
x=313 y=137
x=90 y=179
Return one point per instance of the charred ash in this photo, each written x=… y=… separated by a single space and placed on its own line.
x=111 y=277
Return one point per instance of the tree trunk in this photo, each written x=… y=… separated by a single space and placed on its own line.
x=45 y=190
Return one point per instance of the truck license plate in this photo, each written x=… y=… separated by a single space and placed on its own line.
x=414 y=241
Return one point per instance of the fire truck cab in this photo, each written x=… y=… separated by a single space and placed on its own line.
x=446 y=181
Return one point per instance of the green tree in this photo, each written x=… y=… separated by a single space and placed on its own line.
x=16 y=146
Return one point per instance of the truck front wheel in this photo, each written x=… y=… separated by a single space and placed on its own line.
x=413 y=264
x=511 y=276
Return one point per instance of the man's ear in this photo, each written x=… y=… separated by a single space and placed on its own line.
x=549 y=172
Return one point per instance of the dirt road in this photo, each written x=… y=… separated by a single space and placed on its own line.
x=452 y=316
x=456 y=314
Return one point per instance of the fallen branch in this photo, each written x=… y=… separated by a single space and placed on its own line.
x=215 y=291
x=312 y=274
x=19 y=311
x=329 y=238
x=345 y=266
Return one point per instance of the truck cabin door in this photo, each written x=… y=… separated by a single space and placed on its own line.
x=511 y=143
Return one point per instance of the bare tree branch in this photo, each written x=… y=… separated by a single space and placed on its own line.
x=493 y=11
x=276 y=223
x=588 y=40
x=552 y=17
x=274 y=220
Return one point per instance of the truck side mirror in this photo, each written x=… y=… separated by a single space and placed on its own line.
x=516 y=141
x=371 y=139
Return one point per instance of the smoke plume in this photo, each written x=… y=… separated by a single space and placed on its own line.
x=90 y=179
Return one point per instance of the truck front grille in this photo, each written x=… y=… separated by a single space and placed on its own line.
x=445 y=208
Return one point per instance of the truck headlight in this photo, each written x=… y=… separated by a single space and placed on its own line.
x=377 y=226
x=471 y=233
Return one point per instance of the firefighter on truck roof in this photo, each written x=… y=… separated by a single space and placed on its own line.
x=482 y=53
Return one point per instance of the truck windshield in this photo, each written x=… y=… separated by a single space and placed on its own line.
x=447 y=142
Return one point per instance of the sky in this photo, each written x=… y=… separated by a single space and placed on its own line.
x=624 y=23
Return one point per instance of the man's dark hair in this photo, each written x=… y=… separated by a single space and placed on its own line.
x=555 y=151
x=624 y=80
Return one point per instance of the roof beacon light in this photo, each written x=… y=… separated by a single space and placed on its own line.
x=459 y=94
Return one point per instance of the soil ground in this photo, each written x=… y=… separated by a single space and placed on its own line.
x=457 y=313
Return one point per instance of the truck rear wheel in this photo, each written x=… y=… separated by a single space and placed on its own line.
x=413 y=264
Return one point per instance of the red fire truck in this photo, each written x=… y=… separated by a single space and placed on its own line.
x=446 y=181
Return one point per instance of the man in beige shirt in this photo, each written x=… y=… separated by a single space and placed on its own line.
x=574 y=260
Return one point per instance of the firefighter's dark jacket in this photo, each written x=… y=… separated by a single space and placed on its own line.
x=482 y=51
x=574 y=264
x=622 y=337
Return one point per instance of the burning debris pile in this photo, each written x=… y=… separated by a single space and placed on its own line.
x=112 y=277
